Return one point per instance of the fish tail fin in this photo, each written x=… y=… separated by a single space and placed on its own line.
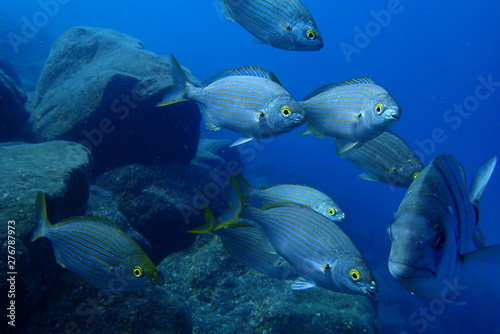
x=228 y=217
x=209 y=222
x=177 y=93
x=481 y=179
x=41 y=214
x=243 y=184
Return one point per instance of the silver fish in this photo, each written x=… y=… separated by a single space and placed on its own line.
x=319 y=251
x=385 y=158
x=284 y=24
x=249 y=101
x=246 y=242
x=354 y=111
x=432 y=235
x=96 y=250
x=294 y=193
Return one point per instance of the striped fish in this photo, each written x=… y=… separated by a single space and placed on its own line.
x=354 y=111
x=284 y=24
x=245 y=241
x=249 y=101
x=319 y=251
x=294 y=193
x=386 y=158
x=96 y=250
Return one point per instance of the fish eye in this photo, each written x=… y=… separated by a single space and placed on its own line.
x=331 y=211
x=379 y=107
x=440 y=241
x=137 y=271
x=286 y=111
x=261 y=114
x=355 y=275
x=310 y=34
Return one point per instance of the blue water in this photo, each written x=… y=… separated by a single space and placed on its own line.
x=430 y=55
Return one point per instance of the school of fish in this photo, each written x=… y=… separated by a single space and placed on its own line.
x=292 y=231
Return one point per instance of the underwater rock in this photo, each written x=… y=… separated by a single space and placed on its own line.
x=99 y=88
x=224 y=296
x=162 y=202
x=59 y=169
x=62 y=171
x=12 y=112
x=103 y=204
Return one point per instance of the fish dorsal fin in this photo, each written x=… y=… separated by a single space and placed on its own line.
x=247 y=71
x=355 y=81
x=97 y=220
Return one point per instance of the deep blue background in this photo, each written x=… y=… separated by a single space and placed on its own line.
x=429 y=56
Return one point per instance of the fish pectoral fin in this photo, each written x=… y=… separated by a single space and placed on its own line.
x=225 y=11
x=489 y=255
x=347 y=147
x=481 y=179
x=241 y=141
x=367 y=177
x=58 y=258
x=302 y=284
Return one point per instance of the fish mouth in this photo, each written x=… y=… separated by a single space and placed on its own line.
x=405 y=271
x=393 y=113
x=369 y=289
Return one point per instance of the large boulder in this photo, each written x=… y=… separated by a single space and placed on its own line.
x=162 y=202
x=12 y=101
x=99 y=88
x=224 y=296
x=59 y=169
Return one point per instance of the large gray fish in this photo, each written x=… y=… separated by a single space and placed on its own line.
x=246 y=242
x=385 y=158
x=295 y=193
x=354 y=111
x=96 y=250
x=249 y=101
x=284 y=24
x=432 y=235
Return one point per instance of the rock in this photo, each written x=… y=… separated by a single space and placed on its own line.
x=103 y=204
x=59 y=169
x=224 y=296
x=12 y=112
x=163 y=202
x=99 y=88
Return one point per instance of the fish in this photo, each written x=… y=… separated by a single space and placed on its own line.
x=96 y=250
x=248 y=100
x=386 y=158
x=320 y=252
x=294 y=193
x=432 y=235
x=284 y=24
x=245 y=241
x=354 y=111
